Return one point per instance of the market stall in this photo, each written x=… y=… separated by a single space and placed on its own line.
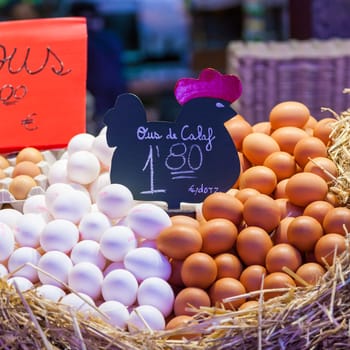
x=211 y=231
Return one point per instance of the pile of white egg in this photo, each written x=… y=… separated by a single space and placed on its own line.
x=87 y=244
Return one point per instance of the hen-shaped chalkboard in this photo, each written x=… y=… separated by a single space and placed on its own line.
x=181 y=161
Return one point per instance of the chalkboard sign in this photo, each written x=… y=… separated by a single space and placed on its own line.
x=181 y=161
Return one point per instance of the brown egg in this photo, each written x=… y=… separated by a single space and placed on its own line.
x=288 y=209
x=219 y=235
x=189 y=300
x=21 y=185
x=289 y=113
x=245 y=163
x=280 y=190
x=287 y=137
x=282 y=164
x=262 y=211
x=263 y=127
x=280 y=234
x=332 y=199
x=175 y=276
x=238 y=128
x=181 y=322
x=228 y=265
x=4 y=163
x=225 y=288
x=323 y=128
x=184 y=220
x=326 y=247
x=310 y=272
x=259 y=177
x=246 y=193
x=310 y=124
x=308 y=148
x=303 y=232
x=26 y=167
x=253 y=239
x=232 y=191
x=199 y=270
x=257 y=146
x=252 y=276
x=282 y=255
x=250 y=304
x=222 y=205
x=179 y=241
x=323 y=167
x=29 y=153
x=277 y=280
x=304 y=188
x=318 y=210
x=335 y=220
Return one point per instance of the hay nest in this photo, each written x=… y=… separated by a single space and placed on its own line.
x=315 y=317
x=339 y=153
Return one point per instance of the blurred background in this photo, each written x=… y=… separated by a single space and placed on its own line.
x=281 y=49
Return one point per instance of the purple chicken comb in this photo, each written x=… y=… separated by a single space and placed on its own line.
x=210 y=83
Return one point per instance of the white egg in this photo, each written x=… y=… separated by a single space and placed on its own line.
x=71 y=205
x=116 y=242
x=158 y=293
x=92 y=225
x=58 y=172
x=120 y=285
x=60 y=235
x=53 y=191
x=83 y=167
x=80 y=142
x=17 y=263
x=28 y=230
x=10 y=216
x=87 y=278
x=102 y=180
x=80 y=187
x=79 y=302
x=114 y=200
x=36 y=204
x=147 y=220
x=50 y=292
x=116 y=312
x=88 y=251
x=102 y=151
x=3 y=271
x=113 y=266
x=22 y=283
x=54 y=267
x=147 y=262
x=145 y=317
x=7 y=241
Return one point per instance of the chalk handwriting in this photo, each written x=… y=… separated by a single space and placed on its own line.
x=144 y=134
x=198 y=135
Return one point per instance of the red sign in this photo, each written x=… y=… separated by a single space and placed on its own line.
x=42 y=82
